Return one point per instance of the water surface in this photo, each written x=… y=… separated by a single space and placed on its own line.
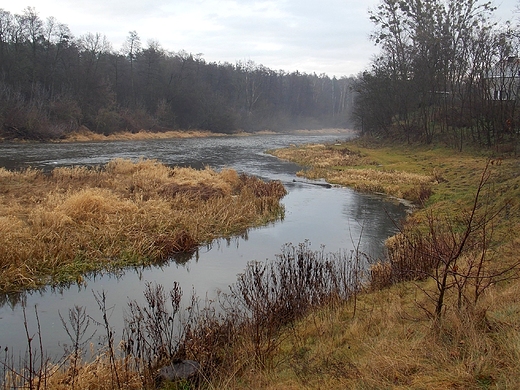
x=338 y=218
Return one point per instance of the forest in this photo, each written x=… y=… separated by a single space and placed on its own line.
x=52 y=83
x=447 y=71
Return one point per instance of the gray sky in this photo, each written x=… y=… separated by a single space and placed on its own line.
x=321 y=36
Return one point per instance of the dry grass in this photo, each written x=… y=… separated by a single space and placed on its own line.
x=346 y=166
x=386 y=337
x=97 y=374
x=389 y=343
x=58 y=226
x=84 y=135
x=385 y=342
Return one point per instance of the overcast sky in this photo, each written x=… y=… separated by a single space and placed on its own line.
x=312 y=36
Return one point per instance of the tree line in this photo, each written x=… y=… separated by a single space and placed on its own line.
x=52 y=83
x=446 y=70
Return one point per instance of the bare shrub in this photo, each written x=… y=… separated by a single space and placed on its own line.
x=272 y=295
x=110 y=350
x=265 y=298
x=454 y=251
x=154 y=332
x=419 y=194
x=381 y=275
x=34 y=369
x=409 y=256
x=238 y=329
x=76 y=327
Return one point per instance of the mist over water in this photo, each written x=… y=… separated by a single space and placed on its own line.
x=336 y=218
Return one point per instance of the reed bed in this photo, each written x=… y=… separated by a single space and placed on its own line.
x=57 y=226
x=322 y=156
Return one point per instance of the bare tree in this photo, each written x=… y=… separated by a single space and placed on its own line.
x=455 y=252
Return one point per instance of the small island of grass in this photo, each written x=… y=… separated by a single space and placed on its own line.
x=56 y=227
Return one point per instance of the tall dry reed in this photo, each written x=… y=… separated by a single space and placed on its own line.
x=57 y=226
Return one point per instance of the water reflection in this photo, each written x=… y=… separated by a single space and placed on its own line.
x=375 y=216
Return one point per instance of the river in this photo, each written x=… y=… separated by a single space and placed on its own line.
x=337 y=218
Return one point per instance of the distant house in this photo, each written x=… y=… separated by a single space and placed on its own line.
x=504 y=80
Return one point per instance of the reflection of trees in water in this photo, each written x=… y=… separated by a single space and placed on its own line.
x=19 y=298
x=373 y=222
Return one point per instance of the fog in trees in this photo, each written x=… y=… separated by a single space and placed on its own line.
x=52 y=83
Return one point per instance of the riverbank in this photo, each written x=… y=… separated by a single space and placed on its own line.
x=83 y=134
x=58 y=226
x=392 y=337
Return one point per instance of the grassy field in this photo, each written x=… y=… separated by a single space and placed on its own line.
x=56 y=227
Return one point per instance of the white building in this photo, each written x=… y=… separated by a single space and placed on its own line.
x=504 y=80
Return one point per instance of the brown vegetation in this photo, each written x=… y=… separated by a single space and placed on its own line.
x=347 y=166
x=238 y=333
x=83 y=134
x=57 y=226
x=437 y=315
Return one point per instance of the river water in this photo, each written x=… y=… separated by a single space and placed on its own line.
x=337 y=218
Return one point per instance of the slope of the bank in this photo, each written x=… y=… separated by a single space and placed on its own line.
x=392 y=337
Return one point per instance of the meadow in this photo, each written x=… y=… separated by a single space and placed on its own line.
x=442 y=311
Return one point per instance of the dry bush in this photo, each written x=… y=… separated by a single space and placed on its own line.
x=418 y=194
x=273 y=295
x=409 y=257
x=242 y=328
x=456 y=252
x=381 y=275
